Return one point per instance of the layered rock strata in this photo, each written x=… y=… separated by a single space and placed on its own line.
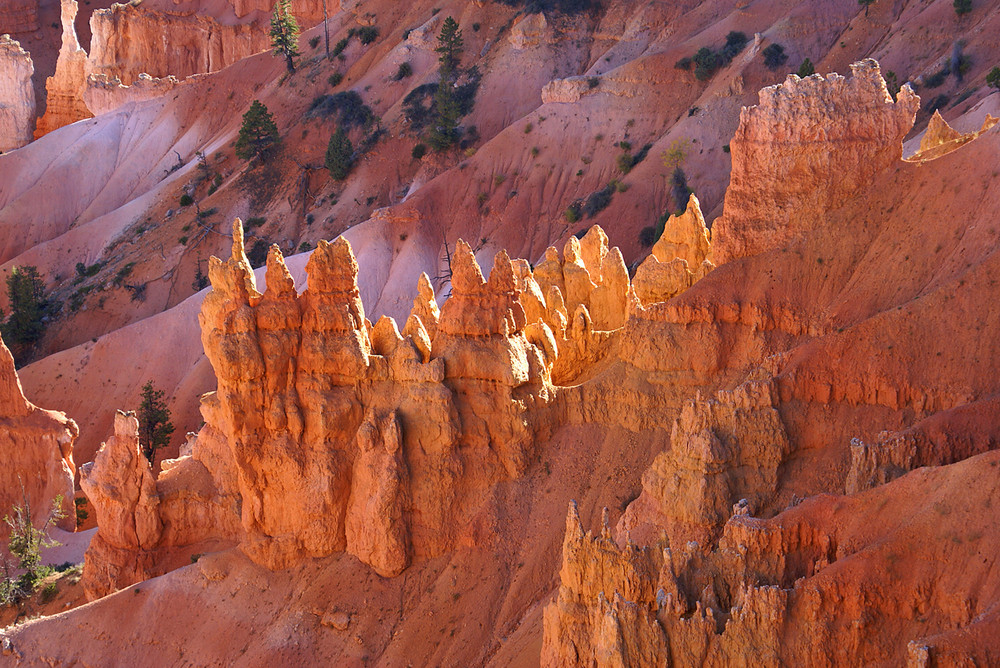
x=328 y=433
x=805 y=148
x=17 y=97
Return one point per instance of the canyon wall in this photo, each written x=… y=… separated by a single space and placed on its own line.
x=17 y=16
x=17 y=97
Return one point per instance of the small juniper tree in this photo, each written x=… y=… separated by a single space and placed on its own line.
x=258 y=134
x=806 y=69
x=339 y=155
x=962 y=6
x=285 y=34
x=154 y=421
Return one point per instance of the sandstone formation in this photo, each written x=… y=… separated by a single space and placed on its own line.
x=17 y=97
x=64 y=90
x=793 y=158
x=940 y=138
x=102 y=95
x=338 y=435
x=37 y=450
x=127 y=41
x=18 y=16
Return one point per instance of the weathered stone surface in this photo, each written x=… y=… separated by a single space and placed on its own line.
x=64 y=90
x=37 y=449
x=17 y=16
x=17 y=96
x=803 y=149
x=681 y=256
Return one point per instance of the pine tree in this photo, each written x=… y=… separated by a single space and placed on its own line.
x=447 y=111
x=29 y=307
x=154 y=421
x=339 y=155
x=258 y=134
x=285 y=34
x=450 y=46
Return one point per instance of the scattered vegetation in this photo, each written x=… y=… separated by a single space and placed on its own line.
x=806 y=69
x=124 y=272
x=154 y=421
x=419 y=151
x=350 y=109
x=186 y=200
x=774 y=56
x=335 y=79
x=23 y=570
x=707 y=61
x=626 y=161
x=569 y=7
x=258 y=136
x=572 y=213
x=962 y=7
x=285 y=34
x=993 y=78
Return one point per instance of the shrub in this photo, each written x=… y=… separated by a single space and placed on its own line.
x=350 y=109
x=679 y=189
x=339 y=155
x=186 y=200
x=993 y=78
x=806 y=69
x=528 y=128
x=183 y=240
x=725 y=148
x=647 y=236
x=335 y=79
x=892 y=83
x=684 y=63
x=305 y=246
x=572 y=213
x=313 y=42
x=254 y=222
x=705 y=63
x=81 y=517
x=962 y=6
x=339 y=47
x=625 y=162
x=258 y=253
x=936 y=79
x=405 y=70
x=367 y=34
x=123 y=273
x=593 y=82
x=598 y=201
x=24 y=545
x=419 y=151
x=774 y=56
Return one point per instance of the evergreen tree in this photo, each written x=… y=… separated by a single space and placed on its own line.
x=962 y=6
x=339 y=155
x=154 y=421
x=806 y=69
x=450 y=46
x=447 y=110
x=285 y=34
x=258 y=134
x=28 y=308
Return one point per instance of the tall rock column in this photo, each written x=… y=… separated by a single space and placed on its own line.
x=809 y=145
x=64 y=90
x=17 y=97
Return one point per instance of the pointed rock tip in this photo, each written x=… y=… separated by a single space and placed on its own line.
x=466 y=276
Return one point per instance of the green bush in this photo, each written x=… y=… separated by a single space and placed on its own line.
x=186 y=200
x=962 y=6
x=367 y=34
x=24 y=546
x=806 y=69
x=993 y=78
x=313 y=42
x=339 y=47
x=339 y=155
x=419 y=151
x=405 y=70
x=572 y=213
x=335 y=79
x=30 y=308
x=774 y=56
